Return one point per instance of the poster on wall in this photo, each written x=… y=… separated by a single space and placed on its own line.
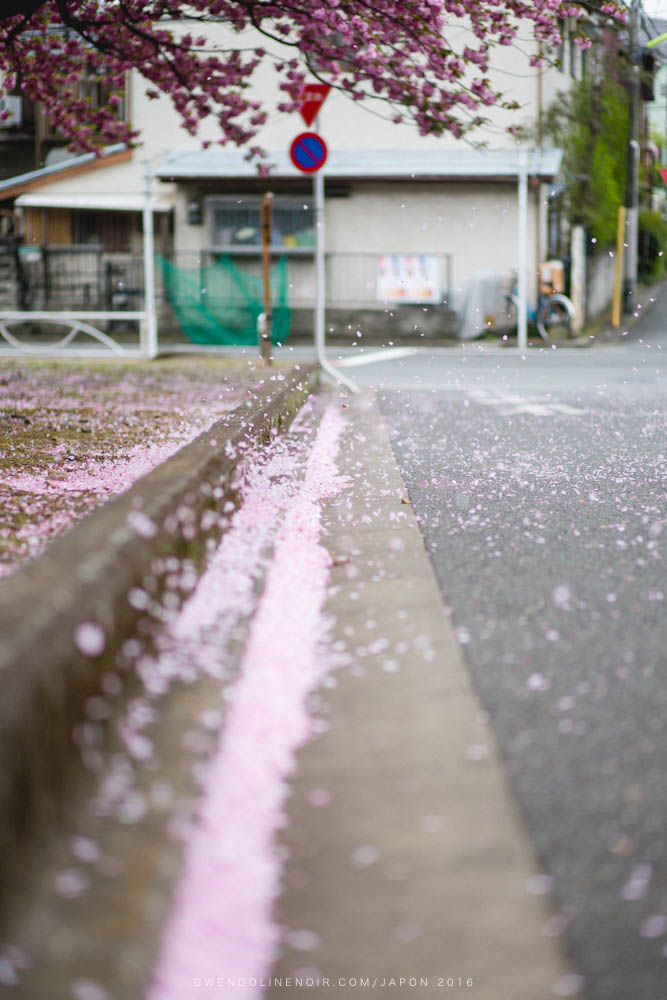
x=408 y=279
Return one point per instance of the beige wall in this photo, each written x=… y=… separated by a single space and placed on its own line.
x=477 y=223
x=347 y=124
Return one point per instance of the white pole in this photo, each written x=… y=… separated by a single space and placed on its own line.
x=149 y=327
x=578 y=278
x=320 y=277
x=632 y=235
x=522 y=331
x=320 y=281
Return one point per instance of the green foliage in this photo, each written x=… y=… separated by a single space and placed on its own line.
x=590 y=123
x=652 y=240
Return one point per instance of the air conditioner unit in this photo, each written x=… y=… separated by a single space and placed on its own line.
x=14 y=108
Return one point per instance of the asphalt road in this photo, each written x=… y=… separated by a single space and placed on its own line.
x=539 y=484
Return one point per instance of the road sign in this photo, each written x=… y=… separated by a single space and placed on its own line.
x=308 y=152
x=312 y=99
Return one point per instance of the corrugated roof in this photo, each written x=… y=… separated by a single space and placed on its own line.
x=380 y=164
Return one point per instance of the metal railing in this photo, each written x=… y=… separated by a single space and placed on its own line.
x=90 y=278
x=61 y=292
x=78 y=286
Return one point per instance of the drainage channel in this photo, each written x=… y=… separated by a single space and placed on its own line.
x=187 y=745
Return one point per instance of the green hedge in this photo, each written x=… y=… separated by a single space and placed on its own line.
x=652 y=240
x=590 y=123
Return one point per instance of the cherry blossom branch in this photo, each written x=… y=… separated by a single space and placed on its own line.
x=393 y=51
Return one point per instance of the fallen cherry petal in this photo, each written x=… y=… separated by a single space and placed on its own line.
x=654 y=926
x=142 y=524
x=407 y=932
x=364 y=856
x=71 y=883
x=86 y=850
x=8 y=974
x=636 y=886
x=303 y=940
x=87 y=989
x=569 y=985
x=539 y=885
x=320 y=797
x=90 y=639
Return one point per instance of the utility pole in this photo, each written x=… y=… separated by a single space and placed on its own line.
x=632 y=169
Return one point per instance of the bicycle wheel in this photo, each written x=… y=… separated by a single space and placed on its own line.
x=554 y=318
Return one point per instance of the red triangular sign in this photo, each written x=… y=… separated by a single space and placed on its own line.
x=312 y=99
x=663 y=174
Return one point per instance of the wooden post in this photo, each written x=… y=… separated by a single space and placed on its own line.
x=265 y=321
x=618 y=279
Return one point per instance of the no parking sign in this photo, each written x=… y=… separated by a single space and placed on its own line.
x=308 y=152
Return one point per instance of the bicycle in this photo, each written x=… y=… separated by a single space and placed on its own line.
x=553 y=318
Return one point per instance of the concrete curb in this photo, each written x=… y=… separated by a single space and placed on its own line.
x=413 y=872
x=85 y=576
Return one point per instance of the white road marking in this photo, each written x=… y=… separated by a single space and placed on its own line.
x=386 y=354
x=509 y=403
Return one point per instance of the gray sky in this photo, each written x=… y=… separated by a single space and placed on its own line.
x=656 y=8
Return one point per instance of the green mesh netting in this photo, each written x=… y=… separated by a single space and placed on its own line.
x=219 y=303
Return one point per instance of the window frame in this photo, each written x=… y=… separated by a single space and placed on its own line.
x=254 y=202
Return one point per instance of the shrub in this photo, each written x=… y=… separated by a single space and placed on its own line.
x=590 y=122
x=652 y=240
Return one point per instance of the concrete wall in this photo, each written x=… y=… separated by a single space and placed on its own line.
x=474 y=222
x=600 y=274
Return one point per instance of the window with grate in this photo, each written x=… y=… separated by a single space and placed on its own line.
x=235 y=225
x=109 y=230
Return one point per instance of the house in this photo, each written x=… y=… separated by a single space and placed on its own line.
x=410 y=220
x=655 y=127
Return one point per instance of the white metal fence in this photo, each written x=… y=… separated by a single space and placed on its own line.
x=100 y=295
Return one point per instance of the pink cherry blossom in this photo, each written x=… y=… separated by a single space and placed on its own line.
x=396 y=52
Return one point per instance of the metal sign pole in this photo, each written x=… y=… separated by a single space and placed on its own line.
x=320 y=277
x=265 y=321
x=149 y=327
x=320 y=281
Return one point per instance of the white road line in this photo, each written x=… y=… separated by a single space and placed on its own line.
x=386 y=354
x=564 y=408
x=509 y=403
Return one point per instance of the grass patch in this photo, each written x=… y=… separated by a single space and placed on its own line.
x=74 y=433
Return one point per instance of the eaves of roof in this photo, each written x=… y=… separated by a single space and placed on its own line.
x=463 y=164
x=11 y=187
